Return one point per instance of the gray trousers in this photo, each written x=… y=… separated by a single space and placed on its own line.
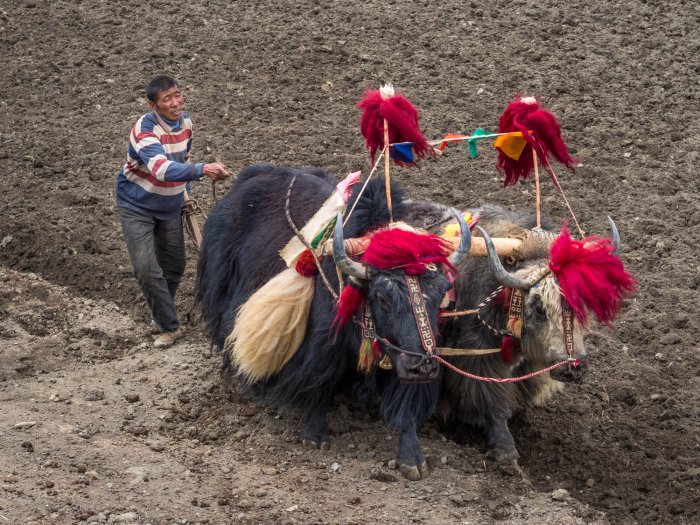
x=157 y=252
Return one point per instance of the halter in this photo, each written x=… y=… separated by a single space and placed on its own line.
x=516 y=321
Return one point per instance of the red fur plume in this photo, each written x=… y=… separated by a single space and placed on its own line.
x=590 y=276
x=351 y=300
x=402 y=117
x=397 y=248
x=525 y=115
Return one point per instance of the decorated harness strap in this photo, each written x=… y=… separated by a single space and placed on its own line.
x=420 y=313
x=568 y=327
x=515 y=313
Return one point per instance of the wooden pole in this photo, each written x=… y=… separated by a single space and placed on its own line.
x=537 y=186
x=387 y=170
x=505 y=247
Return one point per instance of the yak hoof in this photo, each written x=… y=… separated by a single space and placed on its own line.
x=414 y=473
x=315 y=445
x=500 y=454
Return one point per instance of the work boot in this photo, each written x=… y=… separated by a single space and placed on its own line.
x=166 y=339
x=153 y=328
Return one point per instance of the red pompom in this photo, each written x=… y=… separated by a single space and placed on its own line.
x=590 y=275
x=306 y=264
x=402 y=118
x=541 y=131
x=351 y=300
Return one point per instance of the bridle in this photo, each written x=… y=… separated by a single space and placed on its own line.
x=516 y=322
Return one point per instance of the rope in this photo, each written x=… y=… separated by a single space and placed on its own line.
x=464 y=351
x=550 y=170
x=376 y=165
x=574 y=362
x=301 y=238
x=458 y=313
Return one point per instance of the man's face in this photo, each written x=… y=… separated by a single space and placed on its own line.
x=169 y=103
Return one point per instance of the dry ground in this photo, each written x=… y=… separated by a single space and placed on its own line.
x=125 y=434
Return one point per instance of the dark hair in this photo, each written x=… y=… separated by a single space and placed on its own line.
x=158 y=85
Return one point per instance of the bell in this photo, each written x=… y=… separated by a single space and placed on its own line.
x=385 y=362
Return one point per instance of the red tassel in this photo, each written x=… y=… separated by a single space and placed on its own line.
x=351 y=300
x=376 y=349
x=591 y=277
x=508 y=347
x=402 y=117
x=540 y=129
x=306 y=264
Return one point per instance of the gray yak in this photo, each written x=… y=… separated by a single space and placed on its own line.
x=534 y=305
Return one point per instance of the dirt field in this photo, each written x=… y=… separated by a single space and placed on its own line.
x=97 y=427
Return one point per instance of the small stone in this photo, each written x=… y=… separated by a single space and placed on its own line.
x=384 y=477
x=157 y=446
x=335 y=467
x=443 y=460
x=245 y=504
x=27 y=445
x=132 y=398
x=292 y=508
x=590 y=482
x=560 y=495
x=660 y=357
x=25 y=424
x=94 y=395
x=391 y=464
x=260 y=493
x=269 y=471
x=127 y=517
x=139 y=430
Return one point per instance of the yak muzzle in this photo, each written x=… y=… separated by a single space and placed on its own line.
x=570 y=373
x=414 y=369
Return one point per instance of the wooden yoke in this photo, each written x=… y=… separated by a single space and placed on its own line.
x=505 y=247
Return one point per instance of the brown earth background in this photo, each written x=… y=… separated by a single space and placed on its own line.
x=126 y=434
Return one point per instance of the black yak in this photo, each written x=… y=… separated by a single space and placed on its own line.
x=240 y=254
x=560 y=282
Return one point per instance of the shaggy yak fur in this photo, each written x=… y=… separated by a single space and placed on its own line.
x=242 y=238
x=465 y=402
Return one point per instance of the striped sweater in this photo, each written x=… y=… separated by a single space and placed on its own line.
x=156 y=172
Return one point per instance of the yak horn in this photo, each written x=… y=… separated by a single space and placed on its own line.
x=502 y=275
x=465 y=239
x=615 y=237
x=342 y=261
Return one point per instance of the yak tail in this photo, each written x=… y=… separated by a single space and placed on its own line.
x=271 y=325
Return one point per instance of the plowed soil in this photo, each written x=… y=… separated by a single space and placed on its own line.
x=98 y=427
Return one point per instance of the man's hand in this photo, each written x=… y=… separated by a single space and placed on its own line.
x=215 y=171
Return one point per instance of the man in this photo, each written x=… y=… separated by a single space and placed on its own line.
x=150 y=189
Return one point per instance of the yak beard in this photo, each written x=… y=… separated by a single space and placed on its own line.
x=271 y=325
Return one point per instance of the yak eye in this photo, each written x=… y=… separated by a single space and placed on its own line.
x=384 y=301
x=539 y=310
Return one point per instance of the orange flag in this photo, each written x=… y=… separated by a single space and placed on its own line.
x=512 y=144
